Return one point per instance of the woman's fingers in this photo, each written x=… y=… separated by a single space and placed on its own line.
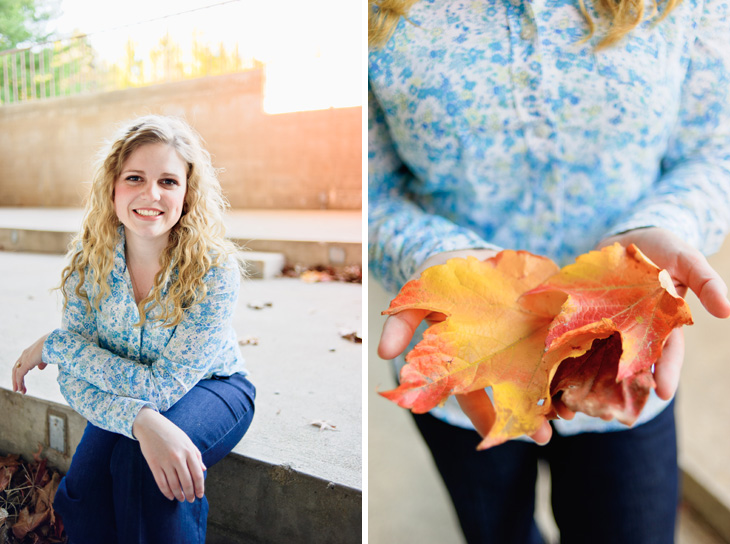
x=18 y=378
x=563 y=411
x=185 y=481
x=398 y=331
x=195 y=467
x=479 y=409
x=669 y=365
x=161 y=480
x=543 y=434
x=31 y=357
x=695 y=272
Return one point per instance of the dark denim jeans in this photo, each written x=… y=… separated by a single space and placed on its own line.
x=606 y=487
x=109 y=494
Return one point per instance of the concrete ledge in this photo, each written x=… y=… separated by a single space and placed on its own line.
x=264 y=265
x=260 y=264
x=707 y=502
x=250 y=500
x=34 y=241
x=304 y=237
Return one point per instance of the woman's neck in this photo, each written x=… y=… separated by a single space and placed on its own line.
x=144 y=252
x=143 y=263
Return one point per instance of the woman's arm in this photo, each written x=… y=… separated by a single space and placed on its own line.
x=107 y=411
x=401 y=235
x=186 y=359
x=175 y=462
x=691 y=199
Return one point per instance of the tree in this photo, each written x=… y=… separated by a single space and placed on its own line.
x=23 y=21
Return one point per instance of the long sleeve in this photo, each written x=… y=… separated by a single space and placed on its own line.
x=107 y=411
x=186 y=359
x=692 y=196
x=401 y=235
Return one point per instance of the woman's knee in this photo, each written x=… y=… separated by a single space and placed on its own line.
x=215 y=412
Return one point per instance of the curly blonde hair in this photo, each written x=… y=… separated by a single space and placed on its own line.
x=196 y=243
x=624 y=16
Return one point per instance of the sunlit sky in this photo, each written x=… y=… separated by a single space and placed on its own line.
x=312 y=49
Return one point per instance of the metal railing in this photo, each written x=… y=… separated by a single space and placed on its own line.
x=57 y=69
x=111 y=59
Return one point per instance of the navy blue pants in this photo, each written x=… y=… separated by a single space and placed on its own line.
x=606 y=487
x=109 y=494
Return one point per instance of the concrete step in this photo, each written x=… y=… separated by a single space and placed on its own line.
x=304 y=237
x=264 y=264
x=287 y=481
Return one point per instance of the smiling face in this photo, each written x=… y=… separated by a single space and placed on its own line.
x=150 y=192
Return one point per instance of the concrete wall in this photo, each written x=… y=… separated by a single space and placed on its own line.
x=302 y=160
x=250 y=500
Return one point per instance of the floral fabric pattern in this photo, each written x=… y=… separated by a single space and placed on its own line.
x=109 y=369
x=493 y=125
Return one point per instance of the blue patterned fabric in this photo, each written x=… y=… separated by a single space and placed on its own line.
x=109 y=370
x=492 y=126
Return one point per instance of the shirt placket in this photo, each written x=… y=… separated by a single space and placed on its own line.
x=532 y=104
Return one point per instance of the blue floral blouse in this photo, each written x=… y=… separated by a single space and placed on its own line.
x=491 y=125
x=109 y=369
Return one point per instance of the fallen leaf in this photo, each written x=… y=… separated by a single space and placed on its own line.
x=486 y=340
x=314 y=276
x=45 y=495
x=248 y=341
x=28 y=522
x=6 y=474
x=37 y=454
x=350 y=335
x=10 y=461
x=323 y=425
x=8 y=466
x=257 y=305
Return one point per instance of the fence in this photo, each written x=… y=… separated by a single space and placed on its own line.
x=71 y=67
x=125 y=57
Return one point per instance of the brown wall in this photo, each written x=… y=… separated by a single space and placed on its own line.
x=303 y=160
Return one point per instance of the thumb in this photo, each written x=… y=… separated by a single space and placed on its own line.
x=398 y=331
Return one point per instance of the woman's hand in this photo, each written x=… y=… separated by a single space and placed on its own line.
x=398 y=331
x=175 y=462
x=689 y=269
x=31 y=357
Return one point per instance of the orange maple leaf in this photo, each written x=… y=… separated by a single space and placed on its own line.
x=486 y=340
x=589 y=333
x=615 y=290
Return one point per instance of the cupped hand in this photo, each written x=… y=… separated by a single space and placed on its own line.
x=399 y=328
x=175 y=462
x=31 y=357
x=688 y=268
x=398 y=332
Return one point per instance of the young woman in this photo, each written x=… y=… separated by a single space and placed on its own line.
x=553 y=127
x=147 y=351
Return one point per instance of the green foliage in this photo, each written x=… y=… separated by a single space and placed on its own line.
x=22 y=21
x=58 y=69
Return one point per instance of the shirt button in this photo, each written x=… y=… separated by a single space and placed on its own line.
x=528 y=32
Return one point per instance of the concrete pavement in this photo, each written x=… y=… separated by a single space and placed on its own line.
x=300 y=465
